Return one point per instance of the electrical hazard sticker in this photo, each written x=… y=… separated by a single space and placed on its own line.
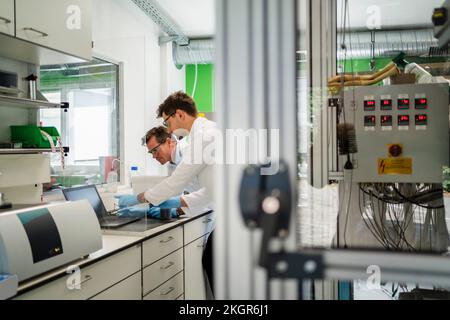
x=395 y=166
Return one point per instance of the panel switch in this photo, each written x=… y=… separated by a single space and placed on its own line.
x=395 y=150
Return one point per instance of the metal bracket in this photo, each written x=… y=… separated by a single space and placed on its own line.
x=335 y=176
x=181 y=41
x=334 y=102
x=65 y=106
x=296 y=266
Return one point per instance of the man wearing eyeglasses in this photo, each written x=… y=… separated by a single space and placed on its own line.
x=181 y=118
x=166 y=149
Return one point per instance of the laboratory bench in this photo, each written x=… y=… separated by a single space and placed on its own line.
x=161 y=263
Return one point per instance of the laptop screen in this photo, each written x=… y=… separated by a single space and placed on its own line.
x=90 y=194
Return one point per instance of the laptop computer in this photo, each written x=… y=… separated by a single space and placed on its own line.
x=90 y=193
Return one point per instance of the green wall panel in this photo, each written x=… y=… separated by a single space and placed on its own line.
x=204 y=92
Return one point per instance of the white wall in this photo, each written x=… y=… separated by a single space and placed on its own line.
x=392 y=13
x=122 y=32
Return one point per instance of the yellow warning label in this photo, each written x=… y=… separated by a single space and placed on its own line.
x=395 y=166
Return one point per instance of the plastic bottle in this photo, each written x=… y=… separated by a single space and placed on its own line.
x=134 y=172
x=112 y=181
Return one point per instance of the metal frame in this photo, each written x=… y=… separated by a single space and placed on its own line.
x=256 y=88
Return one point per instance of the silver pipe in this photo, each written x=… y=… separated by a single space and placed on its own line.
x=163 y=20
x=200 y=51
x=388 y=43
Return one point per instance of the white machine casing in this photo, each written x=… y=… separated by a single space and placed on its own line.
x=426 y=146
x=79 y=233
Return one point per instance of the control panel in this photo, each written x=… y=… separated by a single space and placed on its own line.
x=402 y=132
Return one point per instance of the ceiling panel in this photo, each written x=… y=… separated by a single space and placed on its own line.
x=195 y=17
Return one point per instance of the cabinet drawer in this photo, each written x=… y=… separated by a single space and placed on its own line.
x=198 y=228
x=63 y=25
x=7 y=20
x=170 y=290
x=162 y=270
x=160 y=246
x=92 y=280
x=128 y=289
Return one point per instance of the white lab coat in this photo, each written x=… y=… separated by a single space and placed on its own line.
x=177 y=157
x=189 y=168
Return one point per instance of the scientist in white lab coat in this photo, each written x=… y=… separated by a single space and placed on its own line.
x=181 y=118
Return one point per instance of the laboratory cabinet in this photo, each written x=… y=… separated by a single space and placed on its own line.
x=128 y=289
x=163 y=267
x=161 y=271
x=193 y=268
x=161 y=246
x=63 y=25
x=91 y=280
x=7 y=19
x=198 y=228
x=170 y=290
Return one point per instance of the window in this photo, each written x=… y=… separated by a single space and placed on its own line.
x=90 y=128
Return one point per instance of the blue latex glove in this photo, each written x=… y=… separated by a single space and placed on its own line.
x=155 y=212
x=174 y=202
x=133 y=212
x=127 y=201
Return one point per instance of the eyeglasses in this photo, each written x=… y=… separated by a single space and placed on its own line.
x=155 y=149
x=165 y=124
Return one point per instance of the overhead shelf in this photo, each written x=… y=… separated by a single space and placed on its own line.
x=32 y=151
x=8 y=101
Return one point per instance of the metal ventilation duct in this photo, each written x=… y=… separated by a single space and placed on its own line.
x=163 y=20
x=388 y=43
x=197 y=52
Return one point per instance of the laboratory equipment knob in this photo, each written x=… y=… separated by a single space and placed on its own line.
x=395 y=151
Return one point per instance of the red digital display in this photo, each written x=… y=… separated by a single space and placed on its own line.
x=421 y=120
x=387 y=120
x=369 y=105
x=403 y=118
x=422 y=117
x=404 y=102
x=386 y=104
x=421 y=103
x=370 y=120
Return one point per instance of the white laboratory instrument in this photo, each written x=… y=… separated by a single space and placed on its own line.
x=8 y=286
x=39 y=239
x=143 y=183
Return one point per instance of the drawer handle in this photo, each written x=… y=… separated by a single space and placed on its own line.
x=207 y=221
x=6 y=21
x=86 y=279
x=169 y=291
x=168 y=240
x=170 y=264
x=43 y=34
